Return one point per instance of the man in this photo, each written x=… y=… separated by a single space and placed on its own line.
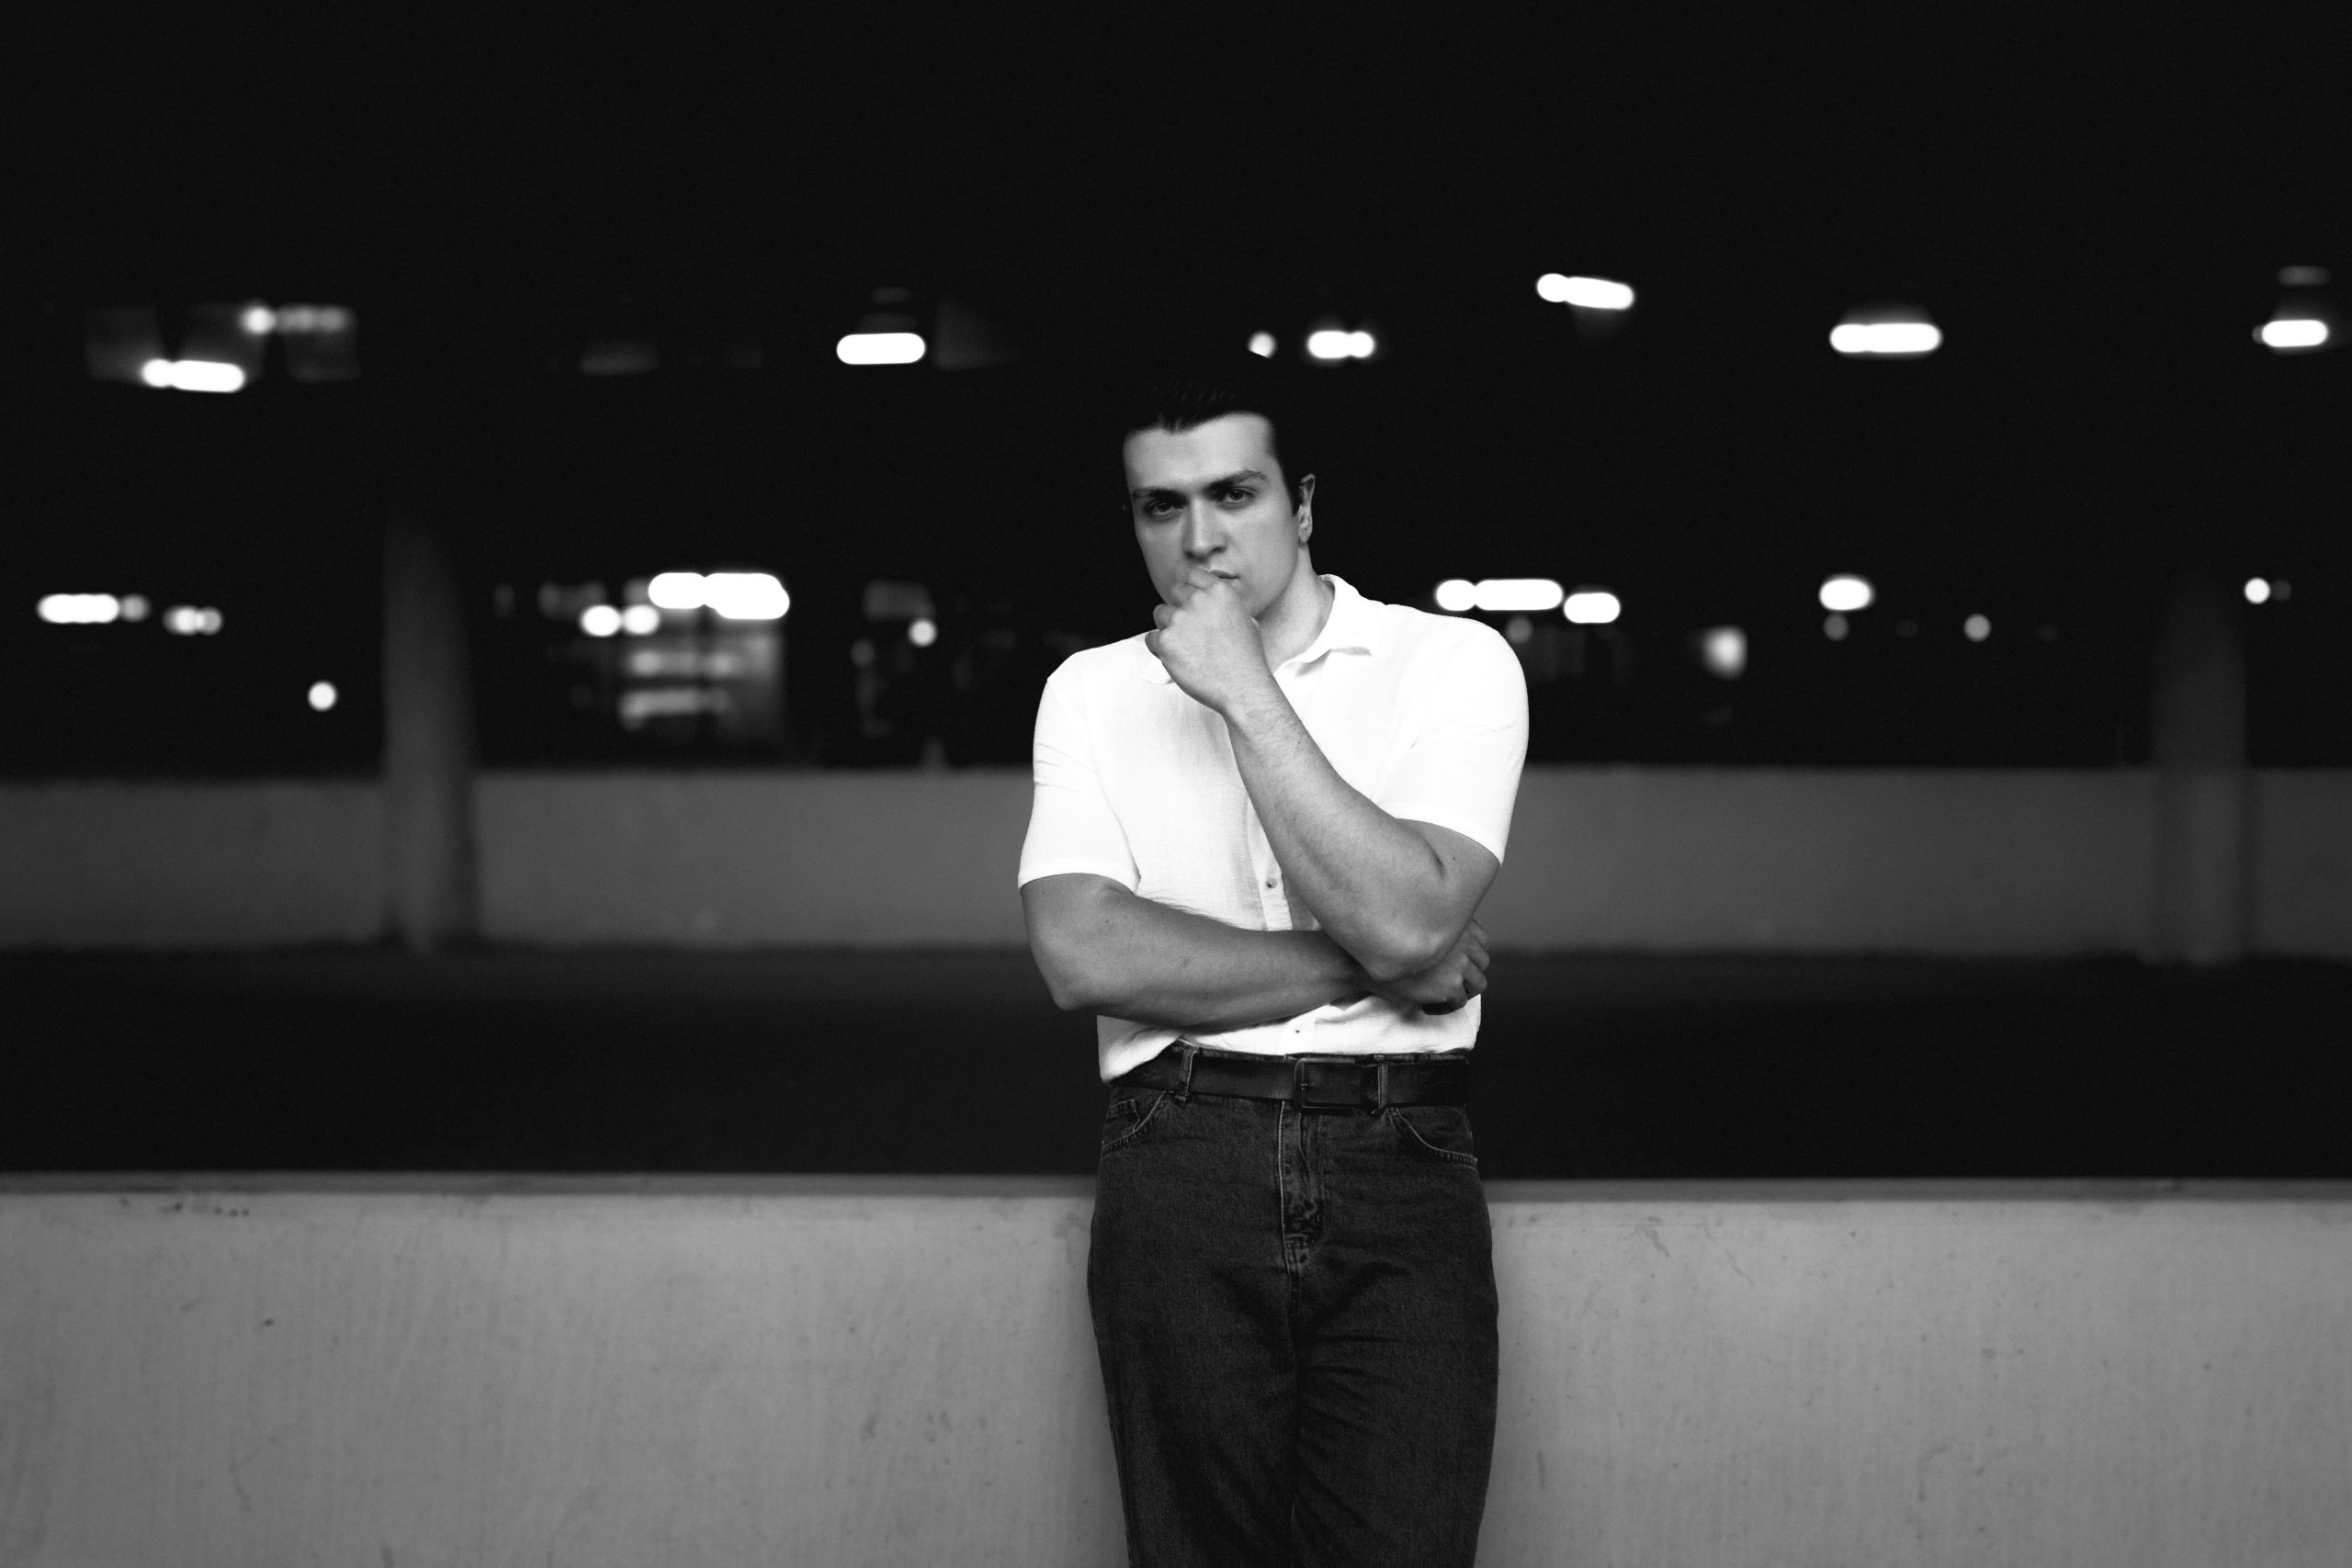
x=1259 y=835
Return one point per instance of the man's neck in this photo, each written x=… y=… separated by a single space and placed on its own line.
x=1293 y=622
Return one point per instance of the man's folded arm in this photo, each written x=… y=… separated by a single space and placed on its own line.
x=1104 y=949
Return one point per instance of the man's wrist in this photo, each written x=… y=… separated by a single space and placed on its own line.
x=1256 y=708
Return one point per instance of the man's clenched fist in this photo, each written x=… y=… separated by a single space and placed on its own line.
x=1211 y=645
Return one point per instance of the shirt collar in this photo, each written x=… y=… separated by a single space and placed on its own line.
x=1349 y=628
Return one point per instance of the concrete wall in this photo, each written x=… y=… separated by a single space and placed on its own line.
x=423 y=1374
x=1952 y=862
x=94 y=865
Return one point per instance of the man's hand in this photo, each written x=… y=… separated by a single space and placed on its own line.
x=1211 y=647
x=1450 y=982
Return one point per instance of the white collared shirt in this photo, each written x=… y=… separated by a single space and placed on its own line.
x=1425 y=716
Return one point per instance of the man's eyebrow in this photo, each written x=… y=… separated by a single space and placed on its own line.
x=1223 y=482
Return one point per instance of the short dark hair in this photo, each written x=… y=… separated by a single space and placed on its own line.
x=1185 y=394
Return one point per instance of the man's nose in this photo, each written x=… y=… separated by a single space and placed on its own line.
x=1204 y=532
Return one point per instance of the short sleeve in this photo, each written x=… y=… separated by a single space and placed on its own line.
x=1072 y=825
x=1461 y=769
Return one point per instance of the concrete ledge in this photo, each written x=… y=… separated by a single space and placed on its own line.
x=268 y=1369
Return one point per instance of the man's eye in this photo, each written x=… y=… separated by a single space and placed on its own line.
x=1239 y=495
x=1157 y=508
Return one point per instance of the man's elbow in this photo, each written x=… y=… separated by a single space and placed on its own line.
x=1065 y=981
x=1390 y=956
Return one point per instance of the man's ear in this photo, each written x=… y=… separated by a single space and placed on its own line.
x=1305 y=508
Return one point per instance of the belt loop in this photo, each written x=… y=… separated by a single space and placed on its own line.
x=1184 y=1090
x=1380 y=1090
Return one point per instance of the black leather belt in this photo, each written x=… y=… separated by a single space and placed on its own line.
x=1312 y=1083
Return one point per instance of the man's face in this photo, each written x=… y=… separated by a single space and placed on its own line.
x=1212 y=497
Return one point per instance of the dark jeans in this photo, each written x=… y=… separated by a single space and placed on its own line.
x=1295 y=1315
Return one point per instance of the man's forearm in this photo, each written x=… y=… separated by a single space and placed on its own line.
x=1133 y=958
x=1365 y=874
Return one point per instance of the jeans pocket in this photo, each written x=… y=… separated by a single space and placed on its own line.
x=1130 y=1111
x=1442 y=1131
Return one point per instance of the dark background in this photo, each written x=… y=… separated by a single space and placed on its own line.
x=2094 y=206
x=2095 y=212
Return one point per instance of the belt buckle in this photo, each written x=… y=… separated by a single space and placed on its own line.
x=1303 y=1075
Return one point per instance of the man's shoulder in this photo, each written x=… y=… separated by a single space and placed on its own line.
x=1421 y=635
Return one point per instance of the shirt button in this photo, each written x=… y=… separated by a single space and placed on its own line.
x=1271 y=881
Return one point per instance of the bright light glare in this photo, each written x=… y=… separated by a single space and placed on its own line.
x=1592 y=607
x=600 y=620
x=191 y=620
x=2291 y=332
x=2258 y=592
x=880 y=348
x=641 y=620
x=257 y=320
x=192 y=374
x=134 y=606
x=1263 y=344
x=922 y=633
x=1847 y=592
x=1723 y=650
x=744 y=595
x=1332 y=344
x=1517 y=593
x=1456 y=594
x=1885 y=340
x=1591 y=293
x=79 y=609
x=1834 y=627
x=678 y=590
x=1976 y=629
x=323 y=695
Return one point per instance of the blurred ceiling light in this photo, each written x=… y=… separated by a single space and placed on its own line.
x=922 y=632
x=641 y=620
x=1456 y=594
x=2287 y=335
x=1724 y=652
x=191 y=620
x=677 y=590
x=1847 y=592
x=1332 y=345
x=1592 y=607
x=746 y=596
x=879 y=348
x=1885 y=340
x=1263 y=344
x=1833 y=626
x=134 y=606
x=323 y=695
x=2302 y=276
x=79 y=609
x=1976 y=629
x=1588 y=293
x=1518 y=593
x=192 y=374
x=257 y=319
x=600 y=620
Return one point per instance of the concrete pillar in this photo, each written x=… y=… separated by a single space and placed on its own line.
x=2204 y=792
x=428 y=742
